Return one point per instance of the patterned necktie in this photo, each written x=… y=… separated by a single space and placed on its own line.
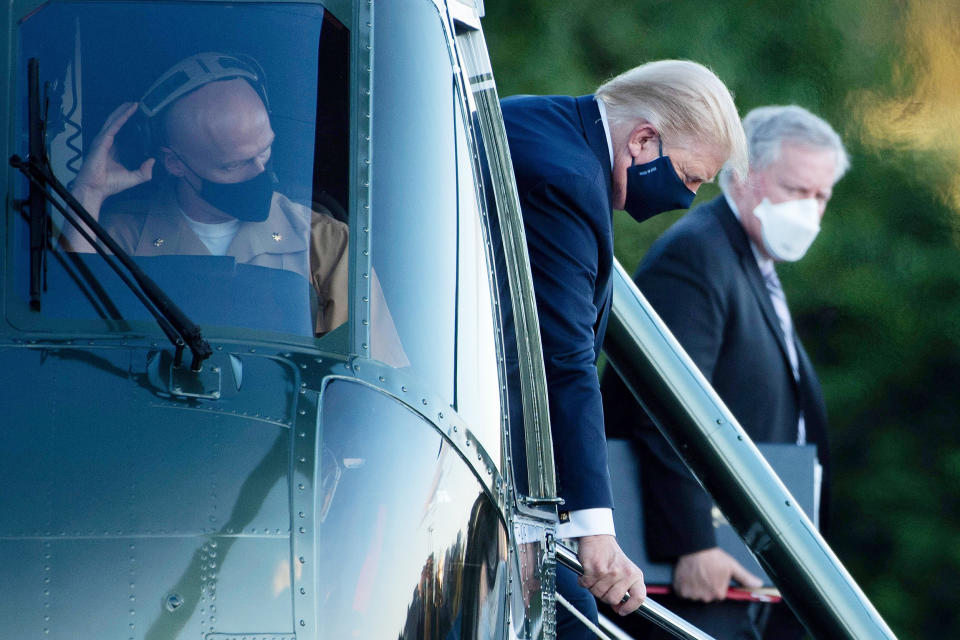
x=779 y=300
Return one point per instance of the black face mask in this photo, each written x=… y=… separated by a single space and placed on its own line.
x=655 y=187
x=247 y=201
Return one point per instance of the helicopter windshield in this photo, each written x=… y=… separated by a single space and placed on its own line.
x=217 y=158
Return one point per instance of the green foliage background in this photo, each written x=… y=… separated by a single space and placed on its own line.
x=877 y=299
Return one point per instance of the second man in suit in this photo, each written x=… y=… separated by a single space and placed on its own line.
x=712 y=279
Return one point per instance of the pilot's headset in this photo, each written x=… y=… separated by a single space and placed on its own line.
x=144 y=133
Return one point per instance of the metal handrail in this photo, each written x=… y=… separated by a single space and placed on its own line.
x=718 y=451
x=652 y=611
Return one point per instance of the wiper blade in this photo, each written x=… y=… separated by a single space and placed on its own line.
x=174 y=323
x=178 y=328
x=38 y=221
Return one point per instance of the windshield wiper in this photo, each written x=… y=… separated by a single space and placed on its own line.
x=38 y=221
x=174 y=323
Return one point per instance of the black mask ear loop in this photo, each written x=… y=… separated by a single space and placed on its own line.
x=189 y=168
x=633 y=161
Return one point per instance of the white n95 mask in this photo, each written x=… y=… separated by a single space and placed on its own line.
x=789 y=228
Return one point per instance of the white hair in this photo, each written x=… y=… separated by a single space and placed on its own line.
x=686 y=103
x=768 y=128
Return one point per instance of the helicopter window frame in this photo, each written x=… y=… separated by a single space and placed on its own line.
x=32 y=38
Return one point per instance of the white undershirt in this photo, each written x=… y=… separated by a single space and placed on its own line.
x=217 y=237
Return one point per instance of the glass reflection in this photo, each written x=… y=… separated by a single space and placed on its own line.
x=478 y=388
x=414 y=195
x=410 y=546
x=218 y=160
x=500 y=291
x=532 y=601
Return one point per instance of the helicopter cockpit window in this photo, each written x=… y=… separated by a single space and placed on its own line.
x=414 y=189
x=211 y=143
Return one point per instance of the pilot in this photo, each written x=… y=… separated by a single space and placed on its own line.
x=214 y=139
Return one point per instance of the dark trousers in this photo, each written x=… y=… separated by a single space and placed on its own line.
x=568 y=626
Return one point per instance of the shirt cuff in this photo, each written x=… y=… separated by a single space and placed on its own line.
x=586 y=522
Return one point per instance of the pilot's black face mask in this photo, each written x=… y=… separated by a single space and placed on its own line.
x=247 y=201
x=654 y=187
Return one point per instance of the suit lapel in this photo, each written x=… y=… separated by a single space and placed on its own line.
x=748 y=263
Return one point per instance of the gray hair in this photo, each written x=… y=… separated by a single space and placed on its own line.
x=686 y=102
x=767 y=128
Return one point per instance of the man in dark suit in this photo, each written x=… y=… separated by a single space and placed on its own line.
x=712 y=279
x=645 y=143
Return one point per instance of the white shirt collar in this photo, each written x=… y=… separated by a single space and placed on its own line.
x=606 y=127
x=765 y=263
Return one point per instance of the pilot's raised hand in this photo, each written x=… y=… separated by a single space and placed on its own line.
x=102 y=176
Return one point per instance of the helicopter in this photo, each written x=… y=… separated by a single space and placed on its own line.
x=209 y=445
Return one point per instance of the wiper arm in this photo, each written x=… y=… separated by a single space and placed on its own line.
x=178 y=328
x=174 y=323
x=37 y=219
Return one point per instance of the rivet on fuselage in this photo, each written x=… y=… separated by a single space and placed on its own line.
x=173 y=602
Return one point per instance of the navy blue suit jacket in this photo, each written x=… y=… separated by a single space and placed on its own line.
x=702 y=278
x=562 y=164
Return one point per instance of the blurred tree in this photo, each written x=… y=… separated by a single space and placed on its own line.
x=877 y=299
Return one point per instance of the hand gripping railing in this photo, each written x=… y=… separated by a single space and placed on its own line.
x=655 y=613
